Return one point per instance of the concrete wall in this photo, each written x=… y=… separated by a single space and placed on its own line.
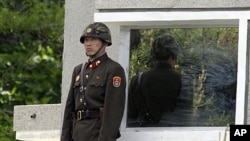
x=171 y=4
x=78 y=14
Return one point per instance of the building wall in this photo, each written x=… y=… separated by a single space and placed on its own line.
x=76 y=15
x=79 y=13
x=171 y=4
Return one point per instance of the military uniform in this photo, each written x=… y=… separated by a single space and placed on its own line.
x=155 y=91
x=104 y=86
x=96 y=99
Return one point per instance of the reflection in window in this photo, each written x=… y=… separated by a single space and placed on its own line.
x=208 y=65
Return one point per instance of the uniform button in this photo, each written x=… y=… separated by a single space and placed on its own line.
x=90 y=66
x=81 y=88
x=87 y=76
x=85 y=104
x=85 y=88
x=81 y=100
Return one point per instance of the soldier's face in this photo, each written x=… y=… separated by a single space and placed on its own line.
x=92 y=45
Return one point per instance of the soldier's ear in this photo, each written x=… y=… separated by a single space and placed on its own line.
x=104 y=43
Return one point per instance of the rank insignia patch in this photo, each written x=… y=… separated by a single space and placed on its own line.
x=116 y=81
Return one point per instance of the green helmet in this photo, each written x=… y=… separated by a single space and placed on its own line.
x=163 y=47
x=98 y=30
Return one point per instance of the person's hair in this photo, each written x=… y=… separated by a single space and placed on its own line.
x=164 y=58
x=163 y=47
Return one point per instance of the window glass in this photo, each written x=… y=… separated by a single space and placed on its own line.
x=207 y=62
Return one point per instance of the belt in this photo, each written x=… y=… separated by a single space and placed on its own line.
x=87 y=114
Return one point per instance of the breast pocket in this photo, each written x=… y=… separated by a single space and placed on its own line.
x=97 y=87
x=97 y=84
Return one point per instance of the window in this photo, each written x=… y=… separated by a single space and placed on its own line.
x=238 y=22
x=207 y=62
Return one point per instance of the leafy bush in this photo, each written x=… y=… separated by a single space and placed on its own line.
x=31 y=44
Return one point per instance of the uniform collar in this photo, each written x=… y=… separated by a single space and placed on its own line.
x=96 y=62
x=163 y=65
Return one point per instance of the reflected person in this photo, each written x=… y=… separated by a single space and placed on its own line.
x=155 y=91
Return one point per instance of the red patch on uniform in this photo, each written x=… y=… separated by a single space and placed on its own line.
x=116 y=81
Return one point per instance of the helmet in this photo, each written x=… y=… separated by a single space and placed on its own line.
x=98 y=30
x=164 y=46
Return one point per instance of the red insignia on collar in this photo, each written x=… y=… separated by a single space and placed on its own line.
x=116 y=81
x=92 y=65
x=95 y=64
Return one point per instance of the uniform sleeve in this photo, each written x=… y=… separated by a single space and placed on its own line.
x=66 y=134
x=114 y=105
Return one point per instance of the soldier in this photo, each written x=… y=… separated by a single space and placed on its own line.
x=96 y=99
x=155 y=91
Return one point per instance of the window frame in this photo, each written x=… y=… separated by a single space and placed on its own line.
x=198 y=19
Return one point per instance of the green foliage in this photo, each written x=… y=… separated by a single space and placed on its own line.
x=31 y=42
x=208 y=64
x=6 y=124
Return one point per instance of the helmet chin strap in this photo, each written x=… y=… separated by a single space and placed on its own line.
x=94 y=55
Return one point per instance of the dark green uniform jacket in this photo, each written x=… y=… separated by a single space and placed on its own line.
x=157 y=92
x=104 y=85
